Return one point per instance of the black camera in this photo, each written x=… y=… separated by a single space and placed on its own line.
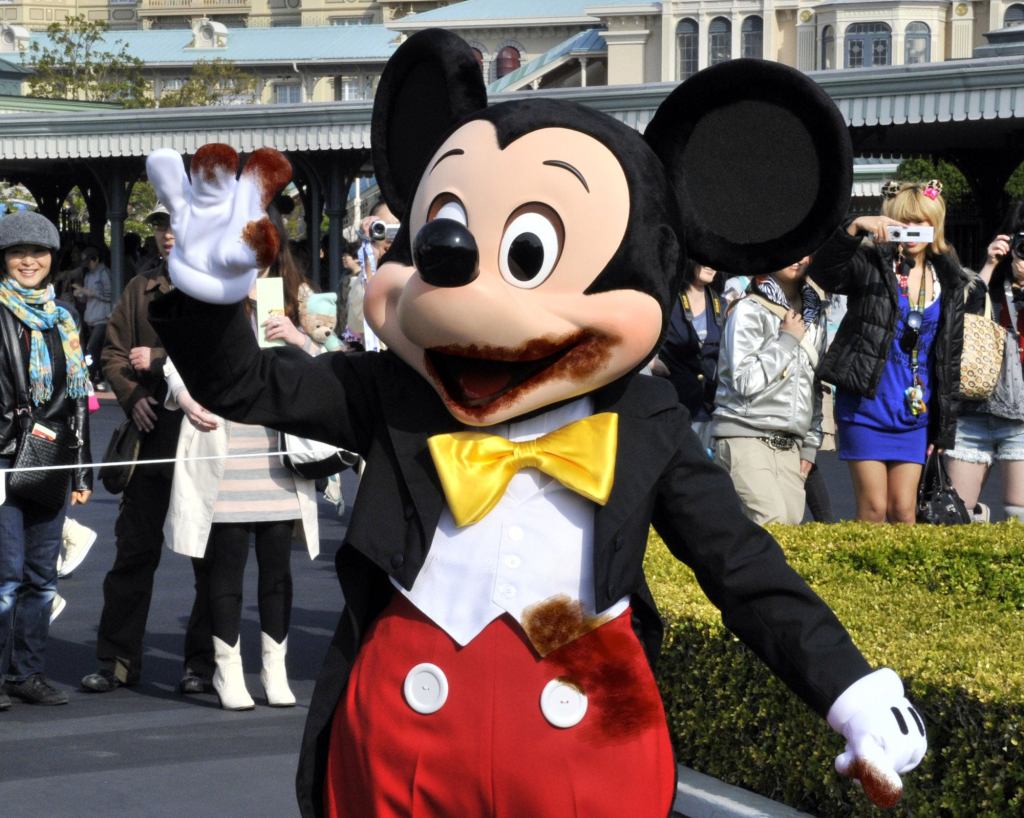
x=382 y=231
x=1017 y=245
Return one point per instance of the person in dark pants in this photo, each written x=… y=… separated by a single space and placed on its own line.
x=41 y=371
x=133 y=361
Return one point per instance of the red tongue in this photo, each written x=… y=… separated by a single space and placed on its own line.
x=476 y=385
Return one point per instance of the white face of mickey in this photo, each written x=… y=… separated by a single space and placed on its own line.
x=547 y=212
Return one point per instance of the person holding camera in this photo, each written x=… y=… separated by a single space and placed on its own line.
x=994 y=429
x=376 y=233
x=766 y=425
x=895 y=360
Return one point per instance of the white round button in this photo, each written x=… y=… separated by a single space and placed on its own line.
x=515 y=533
x=563 y=703
x=426 y=688
x=513 y=561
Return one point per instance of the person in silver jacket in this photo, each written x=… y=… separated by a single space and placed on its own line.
x=767 y=420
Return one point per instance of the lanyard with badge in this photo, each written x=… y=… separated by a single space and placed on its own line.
x=910 y=340
x=716 y=310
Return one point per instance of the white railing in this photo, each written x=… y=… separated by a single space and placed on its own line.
x=192 y=5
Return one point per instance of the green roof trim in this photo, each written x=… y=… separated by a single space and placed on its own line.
x=20 y=104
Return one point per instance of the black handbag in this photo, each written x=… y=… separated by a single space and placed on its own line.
x=937 y=500
x=40 y=442
x=123 y=448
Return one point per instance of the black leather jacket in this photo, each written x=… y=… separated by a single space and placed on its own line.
x=59 y=409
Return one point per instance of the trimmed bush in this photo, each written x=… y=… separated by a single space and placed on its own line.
x=943 y=606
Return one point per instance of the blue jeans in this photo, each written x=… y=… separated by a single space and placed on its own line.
x=29 y=543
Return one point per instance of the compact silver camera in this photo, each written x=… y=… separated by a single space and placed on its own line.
x=382 y=231
x=910 y=235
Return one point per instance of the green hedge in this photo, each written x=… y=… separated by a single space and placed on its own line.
x=944 y=607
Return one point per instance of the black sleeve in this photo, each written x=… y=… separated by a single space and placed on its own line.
x=327 y=398
x=745 y=574
x=81 y=479
x=841 y=265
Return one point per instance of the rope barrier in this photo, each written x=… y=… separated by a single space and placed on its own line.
x=156 y=461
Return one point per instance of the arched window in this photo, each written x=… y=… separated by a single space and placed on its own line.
x=686 y=43
x=828 y=48
x=1014 y=16
x=719 y=41
x=918 y=44
x=868 y=44
x=507 y=61
x=752 y=37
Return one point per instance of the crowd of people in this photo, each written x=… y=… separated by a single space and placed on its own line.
x=856 y=349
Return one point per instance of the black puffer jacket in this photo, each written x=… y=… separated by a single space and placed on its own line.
x=863 y=270
x=59 y=409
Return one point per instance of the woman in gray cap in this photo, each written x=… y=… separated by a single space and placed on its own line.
x=40 y=337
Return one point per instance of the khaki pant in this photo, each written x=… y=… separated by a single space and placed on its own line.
x=767 y=480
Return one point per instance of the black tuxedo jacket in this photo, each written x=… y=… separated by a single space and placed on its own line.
x=377 y=405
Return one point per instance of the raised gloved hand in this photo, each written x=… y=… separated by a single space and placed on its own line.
x=222 y=236
x=884 y=734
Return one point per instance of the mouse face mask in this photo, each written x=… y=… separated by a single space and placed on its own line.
x=542 y=241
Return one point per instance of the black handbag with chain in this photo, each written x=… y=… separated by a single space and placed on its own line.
x=40 y=442
x=937 y=500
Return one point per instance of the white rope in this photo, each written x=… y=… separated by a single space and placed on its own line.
x=158 y=460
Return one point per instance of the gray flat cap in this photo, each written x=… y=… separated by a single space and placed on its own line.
x=26 y=227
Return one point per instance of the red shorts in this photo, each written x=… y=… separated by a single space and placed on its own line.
x=489 y=749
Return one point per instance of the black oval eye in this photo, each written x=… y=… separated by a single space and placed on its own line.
x=525 y=256
x=529 y=250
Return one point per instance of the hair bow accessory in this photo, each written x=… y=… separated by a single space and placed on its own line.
x=932 y=189
x=890 y=189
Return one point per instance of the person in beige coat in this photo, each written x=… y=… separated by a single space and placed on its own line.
x=218 y=501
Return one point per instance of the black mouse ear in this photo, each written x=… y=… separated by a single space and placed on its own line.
x=761 y=162
x=431 y=82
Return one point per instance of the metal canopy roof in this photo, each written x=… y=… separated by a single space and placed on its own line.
x=965 y=91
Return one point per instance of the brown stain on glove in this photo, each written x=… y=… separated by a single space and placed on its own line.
x=213 y=157
x=262 y=237
x=271 y=172
x=882 y=789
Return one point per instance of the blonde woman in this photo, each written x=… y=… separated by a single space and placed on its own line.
x=895 y=359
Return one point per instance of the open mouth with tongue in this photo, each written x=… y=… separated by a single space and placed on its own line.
x=477 y=377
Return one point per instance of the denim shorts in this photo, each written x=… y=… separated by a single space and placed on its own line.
x=982 y=438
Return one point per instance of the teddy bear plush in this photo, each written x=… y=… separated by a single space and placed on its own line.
x=318 y=317
x=495 y=651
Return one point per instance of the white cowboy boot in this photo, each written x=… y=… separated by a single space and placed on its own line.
x=274 y=675
x=228 y=678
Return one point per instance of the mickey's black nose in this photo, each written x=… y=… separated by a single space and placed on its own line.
x=445 y=254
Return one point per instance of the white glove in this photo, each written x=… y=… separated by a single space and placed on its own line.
x=222 y=236
x=884 y=734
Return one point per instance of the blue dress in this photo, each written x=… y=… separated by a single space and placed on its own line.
x=883 y=427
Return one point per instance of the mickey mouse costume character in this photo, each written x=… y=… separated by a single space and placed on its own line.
x=494 y=653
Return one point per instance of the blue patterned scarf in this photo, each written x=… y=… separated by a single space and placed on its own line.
x=38 y=311
x=768 y=287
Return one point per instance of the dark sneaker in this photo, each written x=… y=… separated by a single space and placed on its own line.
x=36 y=690
x=102 y=681
x=5 y=700
x=192 y=684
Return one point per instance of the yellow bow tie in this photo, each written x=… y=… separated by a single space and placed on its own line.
x=475 y=467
